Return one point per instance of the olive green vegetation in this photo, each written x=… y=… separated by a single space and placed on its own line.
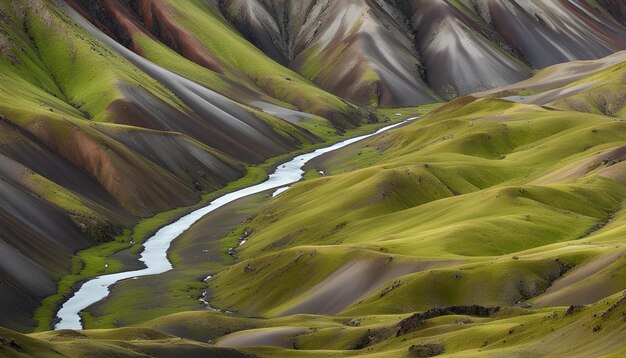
x=91 y=262
x=584 y=331
x=483 y=181
x=601 y=93
x=57 y=67
x=243 y=64
x=184 y=283
x=128 y=342
x=516 y=205
x=56 y=76
x=516 y=196
x=593 y=330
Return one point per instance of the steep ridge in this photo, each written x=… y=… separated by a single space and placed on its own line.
x=593 y=86
x=374 y=52
x=523 y=192
x=360 y=50
x=94 y=138
x=170 y=34
x=255 y=139
x=567 y=31
x=456 y=47
x=112 y=111
x=461 y=54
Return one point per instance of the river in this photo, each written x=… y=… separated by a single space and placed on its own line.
x=154 y=255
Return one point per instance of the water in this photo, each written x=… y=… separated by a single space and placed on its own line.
x=154 y=255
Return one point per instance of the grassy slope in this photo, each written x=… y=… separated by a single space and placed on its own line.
x=490 y=165
x=594 y=86
x=47 y=71
x=606 y=94
x=449 y=186
x=57 y=77
x=121 y=343
x=464 y=182
x=126 y=305
x=244 y=65
x=594 y=330
x=439 y=186
x=90 y=262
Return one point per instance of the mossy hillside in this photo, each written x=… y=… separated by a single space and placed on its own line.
x=515 y=332
x=458 y=197
x=68 y=64
x=120 y=343
x=403 y=183
x=91 y=262
x=502 y=281
x=363 y=154
x=19 y=57
x=36 y=103
x=256 y=286
x=208 y=325
x=54 y=76
x=499 y=280
x=594 y=330
x=166 y=57
x=184 y=284
x=85 y=88
x=38 y=92
x=602 y=93
x=81 y=211
x=243 y=64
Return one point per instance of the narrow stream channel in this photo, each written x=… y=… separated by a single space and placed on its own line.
x=154 y=255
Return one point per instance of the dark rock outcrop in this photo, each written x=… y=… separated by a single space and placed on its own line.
x=412 y=323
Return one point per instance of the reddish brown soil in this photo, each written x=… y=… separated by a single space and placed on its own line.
x=151 y=17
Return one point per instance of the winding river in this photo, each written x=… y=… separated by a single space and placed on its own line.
x=154 y=255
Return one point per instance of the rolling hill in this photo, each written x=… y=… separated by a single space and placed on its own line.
x=488 y=225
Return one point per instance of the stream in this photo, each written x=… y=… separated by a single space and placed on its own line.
x=154 y=255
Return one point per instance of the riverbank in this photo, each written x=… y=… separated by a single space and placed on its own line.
x=155 y=250
x=91 y=262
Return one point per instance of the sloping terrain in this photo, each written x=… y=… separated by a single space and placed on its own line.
x=389 y=53
x=453 y=331
x=488 y=215
x=464 y=182
x=170 y=34
x=94 y=138
x=480 y=203
x=145 y=343
x=594 y=86
x=360 y=50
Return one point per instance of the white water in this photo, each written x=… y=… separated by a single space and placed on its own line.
x=154 y=255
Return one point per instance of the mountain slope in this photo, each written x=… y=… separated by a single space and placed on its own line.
x=483 y=201
x=96 y=138
x=463 y=183
x=360 y=50
x=170 y=34
x=363 y=49
x=594 y=86
x=117 y=116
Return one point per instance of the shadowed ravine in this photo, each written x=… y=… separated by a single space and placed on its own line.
x=154 y=255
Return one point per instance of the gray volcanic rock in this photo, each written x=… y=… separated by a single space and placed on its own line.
x=359 y=50
x=460 y=52
x=388 y=52
x=544 y=33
